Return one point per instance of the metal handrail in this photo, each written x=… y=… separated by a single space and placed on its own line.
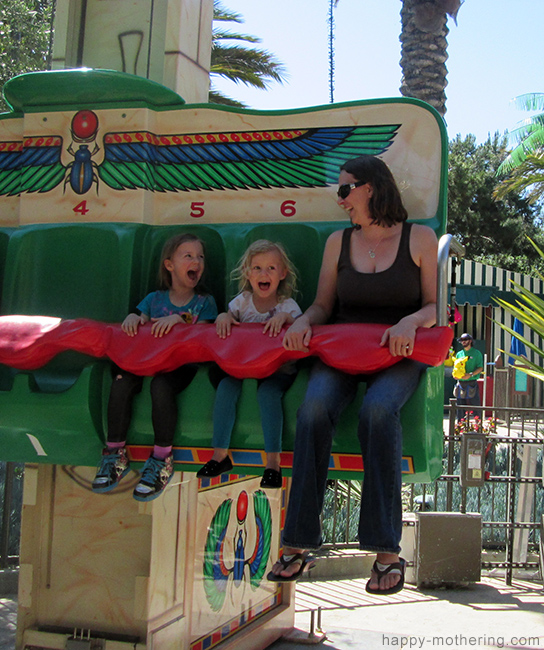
x=448 y=247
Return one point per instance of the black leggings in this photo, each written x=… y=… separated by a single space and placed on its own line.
x=164 y=413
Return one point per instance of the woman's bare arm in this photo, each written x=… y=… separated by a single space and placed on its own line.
x=299 y=334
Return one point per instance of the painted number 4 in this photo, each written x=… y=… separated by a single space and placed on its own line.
x=81 y=208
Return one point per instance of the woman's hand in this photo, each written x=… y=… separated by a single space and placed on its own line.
x=400 y=338
x=224 y=323
x=298 y=336
x=164 y=324
x=274 y=325
x=132 y=322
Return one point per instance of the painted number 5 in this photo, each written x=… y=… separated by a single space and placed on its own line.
x=288 y=208
x=197 y=209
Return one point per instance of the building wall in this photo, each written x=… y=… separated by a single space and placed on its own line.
x=167 y=41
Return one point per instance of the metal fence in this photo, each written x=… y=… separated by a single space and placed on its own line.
x=511 y=499
x=11 y=497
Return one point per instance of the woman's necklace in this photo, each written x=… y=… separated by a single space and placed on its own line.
x=372 y=251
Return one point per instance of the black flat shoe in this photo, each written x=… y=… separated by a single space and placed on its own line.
x=213 y=468
x=271 y=478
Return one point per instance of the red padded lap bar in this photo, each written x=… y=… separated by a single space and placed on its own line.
x=29 y=342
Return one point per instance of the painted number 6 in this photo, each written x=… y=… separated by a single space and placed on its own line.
x=288 y=208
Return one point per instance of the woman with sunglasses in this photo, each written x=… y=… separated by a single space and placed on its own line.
x=381 y=270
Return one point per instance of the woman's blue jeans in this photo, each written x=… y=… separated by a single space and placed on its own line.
x=380 y=435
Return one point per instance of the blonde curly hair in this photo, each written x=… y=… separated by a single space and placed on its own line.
x=286 y=288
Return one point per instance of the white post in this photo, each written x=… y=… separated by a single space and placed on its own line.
x=524 y=509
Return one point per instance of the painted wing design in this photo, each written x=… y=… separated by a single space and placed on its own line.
x=263 y=520
x=215 y=572
x=34 y=167
x=209 y=161
x=252 y=160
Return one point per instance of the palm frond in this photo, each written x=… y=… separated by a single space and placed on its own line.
x=526 y=366
x=533 y=141
x=528 y=175
x=222 y=13
x=529 y=102
x=529 y=134
x=250 y=66
x=526 y=128
x=225 y=35
x=538 y=250
x=522 y=339
x=529 y=310
x=217 y=97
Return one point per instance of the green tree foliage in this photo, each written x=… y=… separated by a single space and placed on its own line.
x=529 y=135
x=238 y=63
x=25 y=30
x=522 y=171
x=523 y=168
x=527 y=177
x=493 y=231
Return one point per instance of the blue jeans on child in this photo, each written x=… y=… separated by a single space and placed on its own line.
x=270 y=392
x=380 y=435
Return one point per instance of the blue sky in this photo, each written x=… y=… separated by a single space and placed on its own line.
x=495 y=53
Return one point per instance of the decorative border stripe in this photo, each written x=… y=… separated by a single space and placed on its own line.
x=202 y=138
x=8 y=147
x=234 y=625
x=221 y=481
x=41 y=141
x=256 y=458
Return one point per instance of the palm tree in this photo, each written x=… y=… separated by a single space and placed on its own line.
x=424 y=49
x=526 y=176
x=529 y=310
x=251 y=66
x=529 y=135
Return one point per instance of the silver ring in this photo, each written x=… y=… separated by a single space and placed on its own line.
x=407 y=345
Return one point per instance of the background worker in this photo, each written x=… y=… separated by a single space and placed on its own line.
x=466 y=389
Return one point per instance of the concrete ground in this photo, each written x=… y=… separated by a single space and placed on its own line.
x=8 y=621
x=488 y=614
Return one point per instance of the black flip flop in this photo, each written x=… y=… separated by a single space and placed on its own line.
x=400 y=565
x=306 y=561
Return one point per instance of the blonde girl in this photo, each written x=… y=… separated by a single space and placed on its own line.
x=267 y=280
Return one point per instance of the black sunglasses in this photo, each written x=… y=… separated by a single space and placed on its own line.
x=344 y=190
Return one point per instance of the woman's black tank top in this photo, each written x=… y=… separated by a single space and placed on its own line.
x=383 y=297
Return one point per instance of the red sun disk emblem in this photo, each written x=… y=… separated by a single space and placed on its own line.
x=84 y=125
x=242 y=506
